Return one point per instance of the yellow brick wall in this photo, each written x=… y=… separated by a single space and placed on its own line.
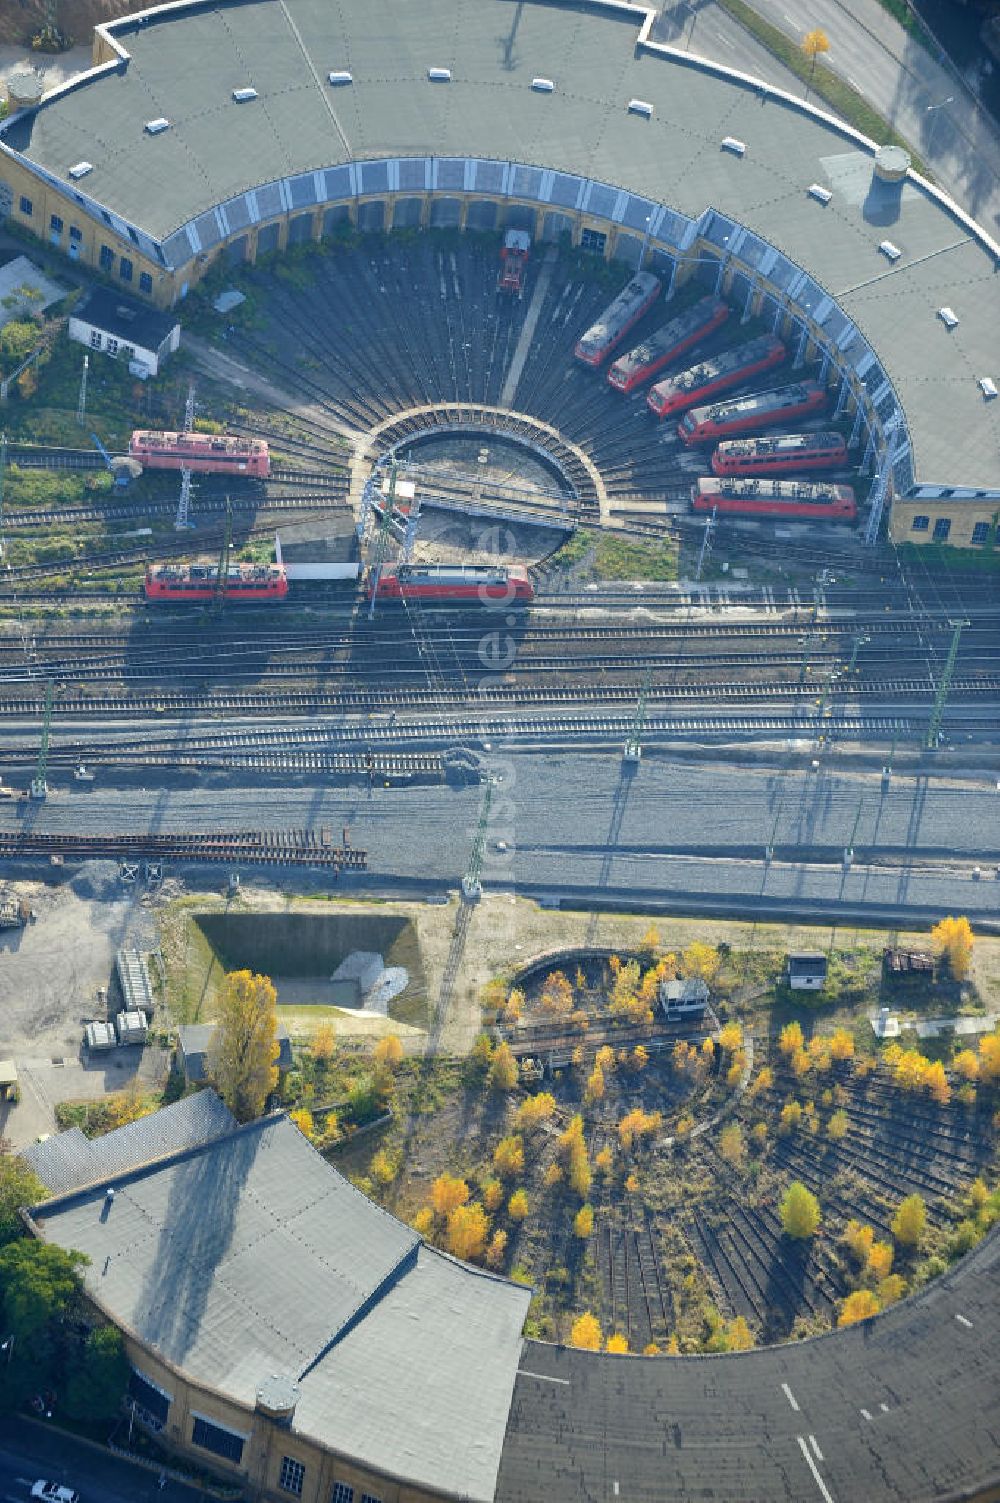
x=963 y=516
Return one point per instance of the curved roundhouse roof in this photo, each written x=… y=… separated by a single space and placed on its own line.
x=182 y=62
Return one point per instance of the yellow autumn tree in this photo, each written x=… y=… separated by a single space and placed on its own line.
x=836 y=1128
x=966 y=1065
x=447 y=1192
x=324 y=1042
x=303 y=1120
x=535 y=1111
x=636 y=1126
x=879 y=1264
x=859 y=1240
x=517 y=1205
x=955 y=941
x=572 y=1150
x=502 y=1074
x=841 y=1044
x=594 y=1090
x=790 y=1117
x=384 y=1167
x=989 y=1057
x=388 y=1053
x=497 y=1248
x=586 y=1332
x=909 y=1221
x=859 y=1305
x=762 y=1081
x=740 y=1335
x=513 y=1007
x=583 y=1222
x=731 y=1037
x=557 y=996
x=243 y=1053
x=700 y=960
x=790 y=1039
x=616 y=1343
x=508 y=1157
x=492 y=1193
x=467 y=1231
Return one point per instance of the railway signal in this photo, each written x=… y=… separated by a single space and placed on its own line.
x=633 y=744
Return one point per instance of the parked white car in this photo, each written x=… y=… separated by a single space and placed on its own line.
x=54 y=1492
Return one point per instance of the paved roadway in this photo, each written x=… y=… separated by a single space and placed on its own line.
x=29 y=1451
x=902 y=1408
x=574 y=822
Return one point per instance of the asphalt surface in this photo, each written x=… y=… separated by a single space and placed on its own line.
x=29 y=1451
x=901 y=1408
x=676 y=831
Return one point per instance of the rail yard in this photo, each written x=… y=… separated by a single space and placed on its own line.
x=498 y=629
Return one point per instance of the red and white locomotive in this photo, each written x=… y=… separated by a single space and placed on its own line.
x=204 y=453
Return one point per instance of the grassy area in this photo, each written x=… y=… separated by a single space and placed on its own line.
x=574 y=550
x=900 y=11
x=615 y=558
x=939 y=557
x=828 y=86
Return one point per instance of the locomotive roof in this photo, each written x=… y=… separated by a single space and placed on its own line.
x=621 y=308
x=184 y=60
x=701 y=312
x=726 y=360
x=764 y=401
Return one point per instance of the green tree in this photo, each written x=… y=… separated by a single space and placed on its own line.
x=799 y=1211
x=94 y=1389
x=244 y=1046
x=38 y=1281
x=18 y=1188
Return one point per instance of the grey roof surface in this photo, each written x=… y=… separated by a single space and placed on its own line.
x=70 y=1160
x=902 y=1407
x=251 y=1255
x=185 y=65
x=123 y=317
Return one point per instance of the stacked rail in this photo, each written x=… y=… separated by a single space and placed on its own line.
x=260 y=847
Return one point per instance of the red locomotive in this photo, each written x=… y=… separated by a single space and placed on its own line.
x=800 y=500
x=467 y=583
x=513 y=262
x=782 y=454
x=187 y=584
x=669 y=341
x=635 y=299
x=205 y=453
x=703 y=425
x=712 y=377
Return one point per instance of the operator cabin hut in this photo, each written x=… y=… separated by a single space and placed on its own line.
x=806 y=970
x=687 y=997
x=124 y=329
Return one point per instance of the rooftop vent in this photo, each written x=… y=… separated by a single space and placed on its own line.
x=738 y=148
x=340 y=78
x=242 y=95
x=988 y=387
x=154 y=127
x=542 y=85
x=81 y=169
x=948 y=317
x=821 y=194
x=640 y=107
x=439 y=75
x=890 y=251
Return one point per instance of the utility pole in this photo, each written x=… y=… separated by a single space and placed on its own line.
x=860 y=640
x=81 y=406
x=219 y=592
x=633 y=742
x=472 y=887
x=941 y=697
x=184 y=499
x=39 y=787
x=709 y=525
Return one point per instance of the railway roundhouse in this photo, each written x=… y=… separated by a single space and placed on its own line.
x=212 y=129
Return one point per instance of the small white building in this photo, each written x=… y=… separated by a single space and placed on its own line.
x=806 y=970
x=131 y=1027
x=686 y=997
x=126 y=330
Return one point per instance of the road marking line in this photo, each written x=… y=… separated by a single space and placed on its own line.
x=865 y=1414
x=856 y=86
x=816 y=1450
x=824 y=1490
x=964 y=1320
x=789 y=1395
x=522 y=1372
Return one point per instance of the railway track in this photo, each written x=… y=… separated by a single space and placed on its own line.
x=307 y=848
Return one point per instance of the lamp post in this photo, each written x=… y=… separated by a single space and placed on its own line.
x=932 y=110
